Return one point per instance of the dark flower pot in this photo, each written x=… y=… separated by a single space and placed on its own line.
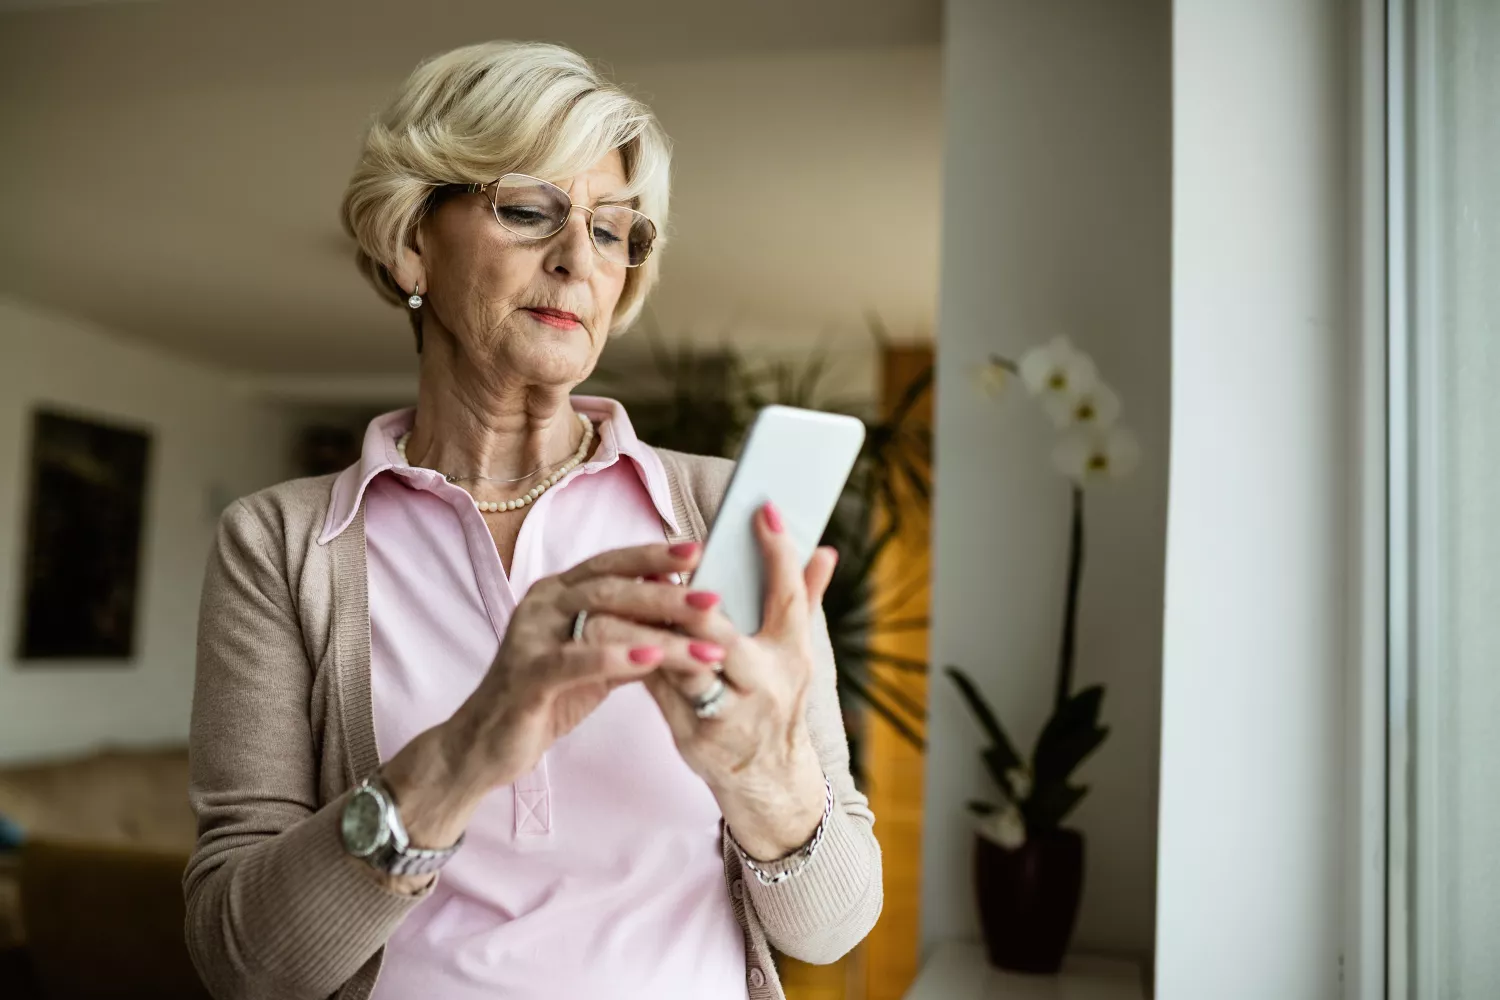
x=1028 y=899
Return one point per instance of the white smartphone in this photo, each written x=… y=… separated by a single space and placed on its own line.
x=797 y=459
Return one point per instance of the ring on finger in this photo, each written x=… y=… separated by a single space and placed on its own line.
x=578 y=622
x=708 y=704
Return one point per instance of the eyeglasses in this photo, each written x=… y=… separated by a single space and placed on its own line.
x=536 y=209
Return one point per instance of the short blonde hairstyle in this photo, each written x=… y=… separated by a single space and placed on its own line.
x=480 y=112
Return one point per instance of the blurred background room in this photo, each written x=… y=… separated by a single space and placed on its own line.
x=177 y=287
x=1023 y=242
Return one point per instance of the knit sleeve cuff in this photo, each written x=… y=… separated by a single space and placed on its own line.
x=820 y=913
x=314 y=913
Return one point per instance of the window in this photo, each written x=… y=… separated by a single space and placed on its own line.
x=1445 y=818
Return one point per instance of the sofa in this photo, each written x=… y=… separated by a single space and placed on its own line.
x=92 y=897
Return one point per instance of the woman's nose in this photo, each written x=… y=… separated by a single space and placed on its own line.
x=569 y=252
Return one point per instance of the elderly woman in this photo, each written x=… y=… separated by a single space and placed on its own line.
x=472 y=654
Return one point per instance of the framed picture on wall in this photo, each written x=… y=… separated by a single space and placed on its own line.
x=84 y=522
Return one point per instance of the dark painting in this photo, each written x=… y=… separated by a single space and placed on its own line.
x=83 y=539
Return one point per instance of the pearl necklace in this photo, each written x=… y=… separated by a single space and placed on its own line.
x=537 y=490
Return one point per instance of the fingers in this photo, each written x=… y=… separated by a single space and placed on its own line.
x=686 y=656
x=642 y=601
x=636 y=561
x=677 y=707
x=613 y=663
x=622 y=663
x=689 y=688
x=681 y=718
x=819 y=574
x=786 y=591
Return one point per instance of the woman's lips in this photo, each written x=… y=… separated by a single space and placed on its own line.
x=555 y=317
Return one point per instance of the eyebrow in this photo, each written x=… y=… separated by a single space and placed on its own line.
x=612 y=199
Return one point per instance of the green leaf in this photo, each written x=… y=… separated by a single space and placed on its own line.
x=991 y=725
x=1069 y=737
x=997 y=762
x=1050 y=805
x=848 y=679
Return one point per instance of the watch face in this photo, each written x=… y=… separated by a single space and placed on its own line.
x=364 y=828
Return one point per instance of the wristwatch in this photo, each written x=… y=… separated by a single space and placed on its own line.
x=372 y=831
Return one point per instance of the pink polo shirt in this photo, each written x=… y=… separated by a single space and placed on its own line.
x=599 y=874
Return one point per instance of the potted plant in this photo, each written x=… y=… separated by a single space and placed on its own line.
x=1028 y=866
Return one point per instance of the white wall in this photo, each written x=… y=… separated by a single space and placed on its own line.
x=1249 y=898
x=207 y=443
x=1056 y=219
x=806 y=192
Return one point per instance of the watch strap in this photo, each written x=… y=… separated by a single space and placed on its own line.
x=400 y=856
x=417 y=860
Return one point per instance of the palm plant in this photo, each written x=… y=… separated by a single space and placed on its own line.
x=704 y=403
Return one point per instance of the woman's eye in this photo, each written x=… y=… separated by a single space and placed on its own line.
x=522 y=214
x=602 y=235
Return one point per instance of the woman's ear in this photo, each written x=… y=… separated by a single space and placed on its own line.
x=409 y=272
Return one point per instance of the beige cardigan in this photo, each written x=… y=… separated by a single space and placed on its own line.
x=282 y=729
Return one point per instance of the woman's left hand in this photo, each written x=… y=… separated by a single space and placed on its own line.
x=755 y=754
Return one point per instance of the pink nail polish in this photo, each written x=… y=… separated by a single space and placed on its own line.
x=702 y=600
x=773 y=517
x=708 y=652
x=645 y=655
x=683 y=550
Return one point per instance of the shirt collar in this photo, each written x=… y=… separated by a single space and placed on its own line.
x=617 y=440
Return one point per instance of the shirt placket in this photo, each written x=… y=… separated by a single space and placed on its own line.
x=531 y=793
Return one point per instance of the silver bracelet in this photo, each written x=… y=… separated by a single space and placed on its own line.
x=805 y=853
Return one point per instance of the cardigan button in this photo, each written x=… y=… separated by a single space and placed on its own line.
x=757 y=979
x=737 y=889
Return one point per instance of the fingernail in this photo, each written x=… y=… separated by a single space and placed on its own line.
x=773 y=517
x=645 y=655
x=702 y=599
x=683 y=550
x=708 y=652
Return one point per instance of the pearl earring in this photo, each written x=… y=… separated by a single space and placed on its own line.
x=416 y=299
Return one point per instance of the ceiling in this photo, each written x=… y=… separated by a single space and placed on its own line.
x=172 y=170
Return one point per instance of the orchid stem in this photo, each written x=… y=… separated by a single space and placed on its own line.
x=1070 y=610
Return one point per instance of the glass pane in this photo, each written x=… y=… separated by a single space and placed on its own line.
x=1456 y=877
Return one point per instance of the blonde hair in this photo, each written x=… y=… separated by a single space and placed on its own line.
x=479 y=112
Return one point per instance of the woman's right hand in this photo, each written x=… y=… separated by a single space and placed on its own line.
x=542 y=684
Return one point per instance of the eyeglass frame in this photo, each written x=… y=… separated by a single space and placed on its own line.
x=477 y=188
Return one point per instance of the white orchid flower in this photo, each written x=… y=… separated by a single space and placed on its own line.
x=993 y=378
x=1006 y=827
x=1089 y=454
x=1098 y=406
x=1058 y=371
x=1019 y=780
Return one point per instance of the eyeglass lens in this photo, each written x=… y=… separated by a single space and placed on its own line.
x=536 y=209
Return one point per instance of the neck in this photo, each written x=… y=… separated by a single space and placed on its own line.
x=473 y=423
